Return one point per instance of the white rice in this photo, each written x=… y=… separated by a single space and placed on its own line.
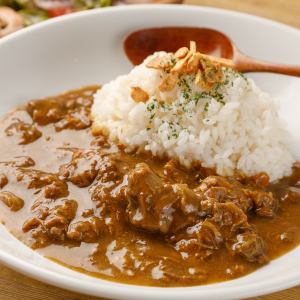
x=242 y=132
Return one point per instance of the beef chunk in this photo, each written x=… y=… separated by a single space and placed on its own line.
x=51 y=186
x=109 y=209
x=260 y=180
x=229 y=217
x=212 y=181
x=247 y=198
x=155 y=205
x=83 y=168
x=173 y=172
x=210 y=233
x=109 y=170
x=24 y=132
x=45 y=111
x=151 y=202
x=102 y=193
x=11 y=200
x=227 y=225
x=77 y=120
x=50 y=224
x=207 y=233
x=199 y=240
x=88 y=231
x=238 y=233
x=107 y=180
x=250 y=246
x=71 y=112
x=3 y=181
x=292 y=194
x=107 y=194
x=224 y=189
x=190 y=202
x=266 y=205
x=107 y=173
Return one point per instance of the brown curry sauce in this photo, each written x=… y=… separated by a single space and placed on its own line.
x=133 y=218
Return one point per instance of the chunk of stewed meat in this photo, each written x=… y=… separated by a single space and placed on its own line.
x=237 y=232
x=77 y=120
x=173 y=172
x=88 y=230
x=190 y=207
x=247 y=198
x=109 y=170
x=250 y=246
x=213 y=181
x=102 y=193
x=3 y=181
x=199 y=240
x=227 y=224
x=107 y=194
x=154 y=204
x=12 y=201
x=190 y=202
x=107 y=179
x=109 y=207
x=207 y=234
x=225 y=190
x=25 y=133
x=45 y=111
x=265 y=204
x=50 y=184
x=50 y=225
x=83 y=168
x=229 y=217
x=69 y=111
x=292 y=195
x=261 y=180
x=151 y=202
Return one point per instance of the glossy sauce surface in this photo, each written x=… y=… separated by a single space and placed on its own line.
x=132 y=218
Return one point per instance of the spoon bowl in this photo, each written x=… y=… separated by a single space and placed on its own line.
x=142 y=43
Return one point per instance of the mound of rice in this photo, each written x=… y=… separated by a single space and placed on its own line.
x=234 y=128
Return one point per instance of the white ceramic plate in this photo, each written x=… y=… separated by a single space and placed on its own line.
x=86 y=48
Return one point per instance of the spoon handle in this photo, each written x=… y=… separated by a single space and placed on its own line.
x=247 y=64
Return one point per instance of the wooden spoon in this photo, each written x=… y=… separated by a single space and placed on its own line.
x=139 y=44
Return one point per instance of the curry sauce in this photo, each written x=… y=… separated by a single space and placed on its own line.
x=131 y=217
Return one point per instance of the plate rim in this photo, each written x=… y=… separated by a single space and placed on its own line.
x=167 y=7
x=133 y=291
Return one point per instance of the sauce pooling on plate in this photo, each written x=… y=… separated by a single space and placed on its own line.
x=134 y=218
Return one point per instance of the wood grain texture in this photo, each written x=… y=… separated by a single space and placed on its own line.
x=285 y=11
x=14 y=286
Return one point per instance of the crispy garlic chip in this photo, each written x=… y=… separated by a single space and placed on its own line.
x=207 y=69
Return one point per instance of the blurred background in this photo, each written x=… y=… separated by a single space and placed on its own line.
x=16 y=14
